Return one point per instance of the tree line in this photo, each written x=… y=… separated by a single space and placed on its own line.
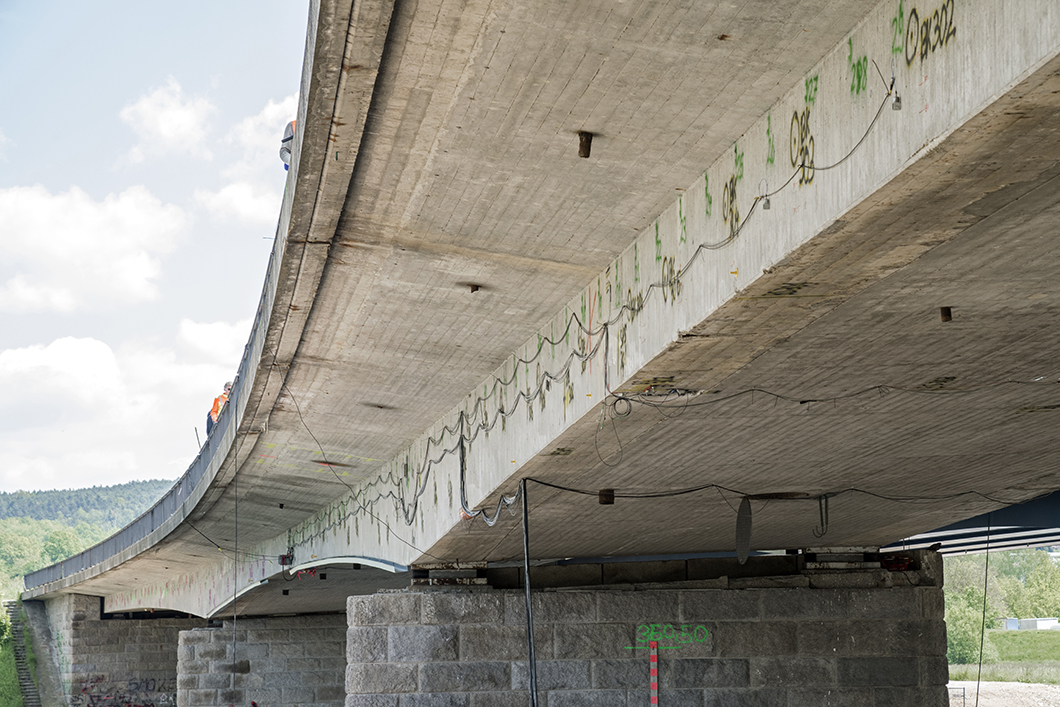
x=40 y=528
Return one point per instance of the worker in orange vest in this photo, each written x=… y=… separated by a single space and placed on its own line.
x=218 y=405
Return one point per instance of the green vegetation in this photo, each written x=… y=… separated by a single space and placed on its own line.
x=1026 y=645
x=41 y=528
x=1046 y=672
x=10 y=696
x=1022 y=584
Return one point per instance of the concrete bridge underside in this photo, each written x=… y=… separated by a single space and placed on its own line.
x=449 y=268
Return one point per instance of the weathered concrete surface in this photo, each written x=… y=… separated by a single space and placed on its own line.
x=845 y=645
x=469 y=234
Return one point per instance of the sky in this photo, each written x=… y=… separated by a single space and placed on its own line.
x=140 y=186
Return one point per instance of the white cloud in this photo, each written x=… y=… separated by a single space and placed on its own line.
x=244 y=201
x=219 y=342
x=248 y=196
x=65 y=251
x=77 y=413
x=168 y=121
x=4 y=142
x=259 y=136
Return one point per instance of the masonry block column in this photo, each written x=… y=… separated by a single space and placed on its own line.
x=791 y=647
x=114 y=662
x=295 y=661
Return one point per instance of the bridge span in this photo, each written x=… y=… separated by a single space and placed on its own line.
x=782 y=267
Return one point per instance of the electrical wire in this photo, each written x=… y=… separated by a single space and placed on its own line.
x=986 y=585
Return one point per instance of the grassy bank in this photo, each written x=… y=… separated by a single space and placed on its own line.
x=1023 y=656
x=1047 y=672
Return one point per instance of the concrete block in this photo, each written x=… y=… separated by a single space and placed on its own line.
x=366 y=644
x=215 y=681
x=614 y=674
x=464 y=677
x=329 y=693
x=212 y=652
x=371 y=701
x=232 y=697
x=502 y=642
x=744 y=698
x=281 y=649
x=688 y=673
x=588 y=641
x=282 y=679
x=553 y=675
x=266 y=635
x=381 y=678
x=551 y=607
x=923 y=638
x=385 y=609
x=255 y=681
x=422 y=643
x=187 y=682
x=185 y=652
x=595 y=698
x=934 y=670
x=638 y=607
x=296 y=694
x=251 y=651
x=199 y=698
x=462 y=607
x=878 y=671
x=841 y=638
x=706 y=605
x=932 y=602
x=302 y=665
x=673 y=698
x=792 y=671
x=747 y=639
x=830 y=697
x=438 y=700
x=321 y=649
x=503 y=699
x=264 y=695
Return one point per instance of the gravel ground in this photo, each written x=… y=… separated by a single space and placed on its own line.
x=1005 y=694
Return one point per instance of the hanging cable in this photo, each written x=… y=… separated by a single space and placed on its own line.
x=986 y=585
x=532 y=656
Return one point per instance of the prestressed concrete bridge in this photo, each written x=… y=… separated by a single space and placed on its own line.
x=808 y=261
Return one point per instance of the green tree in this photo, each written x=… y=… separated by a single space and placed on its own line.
x=964 y=624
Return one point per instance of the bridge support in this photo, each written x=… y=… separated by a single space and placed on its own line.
x=284 y=660
x=113 y=661
x=870 y=638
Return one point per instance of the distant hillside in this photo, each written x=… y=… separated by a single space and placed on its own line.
x=109 y=507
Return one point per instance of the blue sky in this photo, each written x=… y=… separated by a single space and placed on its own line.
x=139 y=190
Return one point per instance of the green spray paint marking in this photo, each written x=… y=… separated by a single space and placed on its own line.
x=680 y=216
x=706 y=190
x=772 y=153
x=658 y=244
x=811 y=90
x=636 y=264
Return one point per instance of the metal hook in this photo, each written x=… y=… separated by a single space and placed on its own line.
x=822 y=507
